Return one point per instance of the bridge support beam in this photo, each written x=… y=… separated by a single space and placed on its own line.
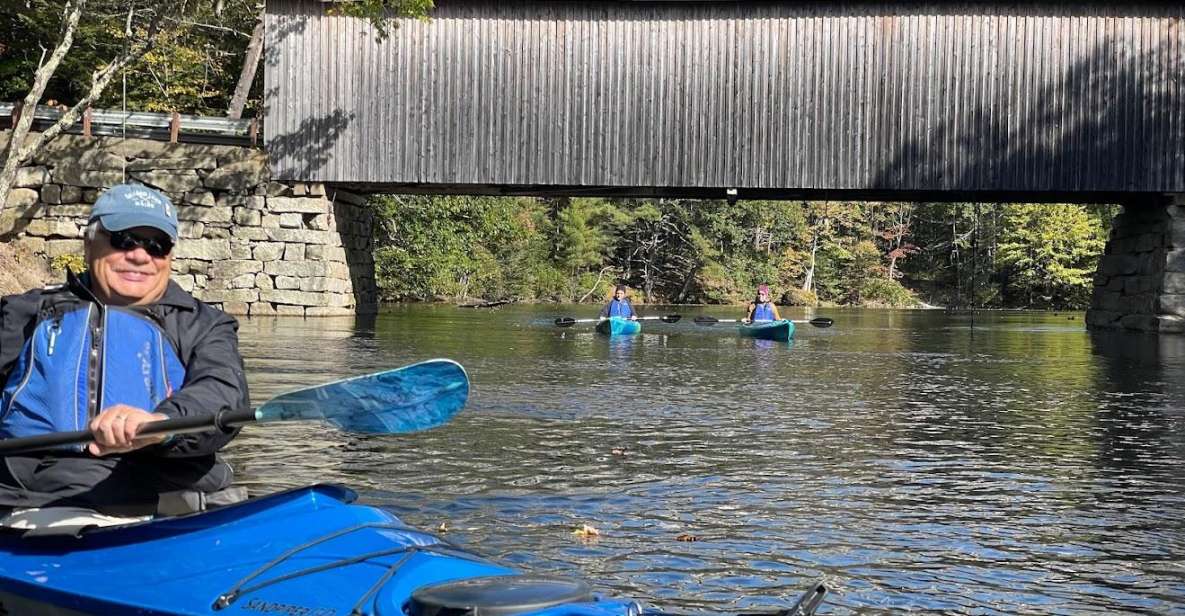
x=1140 y=282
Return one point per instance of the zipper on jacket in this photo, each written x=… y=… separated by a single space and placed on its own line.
x=94 y=376
x=164 y=368
x=54 y=329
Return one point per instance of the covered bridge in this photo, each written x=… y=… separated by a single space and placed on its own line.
x=947 y=101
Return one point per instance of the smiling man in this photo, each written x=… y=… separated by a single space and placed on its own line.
x=112 y=349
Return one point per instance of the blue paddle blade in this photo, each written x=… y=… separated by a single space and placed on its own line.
x=407 y=399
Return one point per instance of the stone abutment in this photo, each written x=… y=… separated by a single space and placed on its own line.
x=248 y=244
x=1140 y=282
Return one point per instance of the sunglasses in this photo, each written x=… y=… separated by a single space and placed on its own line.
x=155 y=246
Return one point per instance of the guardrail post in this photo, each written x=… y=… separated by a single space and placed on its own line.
x=254 y=132
x=174 y=127
x=86 y=122
x=16 y=113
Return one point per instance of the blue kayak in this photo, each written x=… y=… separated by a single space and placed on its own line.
x=617 y=326
x=304 y=551
x=781 y=331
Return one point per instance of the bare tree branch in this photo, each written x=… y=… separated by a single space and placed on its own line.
x=45 y=70
x=20 y=150
x=600 y=274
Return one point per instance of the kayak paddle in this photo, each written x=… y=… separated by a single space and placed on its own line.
x=415 y=397
x=817 y=322
x=569 y=321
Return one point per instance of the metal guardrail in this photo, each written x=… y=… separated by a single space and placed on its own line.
x=172 y=127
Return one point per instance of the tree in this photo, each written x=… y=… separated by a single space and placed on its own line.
x=173 y=55
x=247 y=74
x=381 y=13
x=140 y=28
x=830 y=223
x=1049 y=252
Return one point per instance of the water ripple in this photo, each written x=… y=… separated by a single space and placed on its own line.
x=909 y=461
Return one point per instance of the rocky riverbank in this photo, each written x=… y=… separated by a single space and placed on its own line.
x=21 y=270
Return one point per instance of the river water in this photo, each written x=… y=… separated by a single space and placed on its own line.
x=995 y=463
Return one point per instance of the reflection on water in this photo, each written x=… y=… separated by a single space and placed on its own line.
x=994 y=463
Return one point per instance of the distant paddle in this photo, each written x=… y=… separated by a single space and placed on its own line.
x=709 y=321
x=569 y=321
x=414 y=397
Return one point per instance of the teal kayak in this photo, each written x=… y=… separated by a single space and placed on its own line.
x=617 y=326
x=781 y=331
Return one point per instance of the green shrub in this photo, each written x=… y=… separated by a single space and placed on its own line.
x=716 y=285
x=797 y=297
x=876 y=292
x=61 y=262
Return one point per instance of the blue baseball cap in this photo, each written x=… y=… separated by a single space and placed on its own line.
x=124 y=206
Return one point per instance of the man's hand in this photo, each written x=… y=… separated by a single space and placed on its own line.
x=116 y=427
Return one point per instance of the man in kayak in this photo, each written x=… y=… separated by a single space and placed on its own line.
x=762 y=308
x=113 y=349
x=619 y=306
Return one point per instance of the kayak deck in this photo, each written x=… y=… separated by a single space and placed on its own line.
x=617 y=326
x=782 y=331
x=306 y=551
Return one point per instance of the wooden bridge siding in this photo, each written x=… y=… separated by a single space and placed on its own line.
x=913 y=96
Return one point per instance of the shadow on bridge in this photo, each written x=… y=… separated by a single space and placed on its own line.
x=984 y=149
x=314 y=140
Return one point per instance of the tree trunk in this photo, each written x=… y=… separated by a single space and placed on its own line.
x=17 y=151
x=903 y=221
x=809 y=282
x=687 y=284
x=555 y=206
x=247 y=75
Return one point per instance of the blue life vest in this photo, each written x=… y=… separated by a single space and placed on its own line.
x=83 y=359
x=763 y=311
x=620 y=308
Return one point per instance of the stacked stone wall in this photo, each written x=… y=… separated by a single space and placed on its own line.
x=1140 y=282
x=247 y=244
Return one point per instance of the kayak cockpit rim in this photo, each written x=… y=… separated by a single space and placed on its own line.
x=335 y=492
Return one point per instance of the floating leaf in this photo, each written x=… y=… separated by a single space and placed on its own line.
x=584 y=531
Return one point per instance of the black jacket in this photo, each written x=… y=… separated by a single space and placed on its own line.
x=206 y=340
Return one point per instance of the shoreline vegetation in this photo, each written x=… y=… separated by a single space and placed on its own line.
x=482 y=252
x=471 y=251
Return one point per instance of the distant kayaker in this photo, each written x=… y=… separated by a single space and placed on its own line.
x=619 y=306
x=762 y=308
x=110 y=350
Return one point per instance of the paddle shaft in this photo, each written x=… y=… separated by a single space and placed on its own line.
x=817 y=322
x=181 y=425
x=569 y=321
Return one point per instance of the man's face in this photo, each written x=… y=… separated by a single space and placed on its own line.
x=763 y=296
x=619 y=294
x=124 y=272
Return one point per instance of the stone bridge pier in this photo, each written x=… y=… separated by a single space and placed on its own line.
x=248 y=244
x=1140 y=282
